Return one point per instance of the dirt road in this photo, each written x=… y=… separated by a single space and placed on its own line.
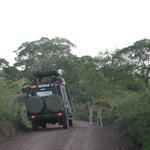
x=82 y=136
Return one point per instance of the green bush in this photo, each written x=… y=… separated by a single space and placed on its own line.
x=133 y=112
x=12 y=113
x=80 y=111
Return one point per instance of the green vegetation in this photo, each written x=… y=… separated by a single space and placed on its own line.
x=120 y=78
x=132 y=114
x=11 y=113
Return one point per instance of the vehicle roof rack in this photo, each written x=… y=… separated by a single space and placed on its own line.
x=47 y=73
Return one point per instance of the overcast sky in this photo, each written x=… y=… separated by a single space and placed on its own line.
x=92 y=25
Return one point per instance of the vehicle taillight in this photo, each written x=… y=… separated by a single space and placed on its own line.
x=59 y=114
x=34 y=117
x=32 y=86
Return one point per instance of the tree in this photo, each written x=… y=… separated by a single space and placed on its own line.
x=43 y=54
x=12 y=73
x=3 y=63
x=118 y=71
x=87 y=81
x=138 y=56
x=82 y=77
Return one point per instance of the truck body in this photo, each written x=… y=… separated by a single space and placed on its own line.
x=48 y=101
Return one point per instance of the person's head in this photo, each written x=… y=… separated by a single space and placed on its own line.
x=60 y=71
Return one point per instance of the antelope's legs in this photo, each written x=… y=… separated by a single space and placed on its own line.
x=100 y=117
x=90 y=117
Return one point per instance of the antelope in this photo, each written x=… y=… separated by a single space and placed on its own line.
x=98 y=107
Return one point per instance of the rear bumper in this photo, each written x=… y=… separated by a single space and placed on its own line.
x=49 y=118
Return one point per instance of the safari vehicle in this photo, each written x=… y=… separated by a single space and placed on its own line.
x=48 y=101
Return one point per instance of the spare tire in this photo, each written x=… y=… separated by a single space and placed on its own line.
x=54 y=103
x=35 y=104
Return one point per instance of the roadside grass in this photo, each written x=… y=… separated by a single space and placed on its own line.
x=12 y=114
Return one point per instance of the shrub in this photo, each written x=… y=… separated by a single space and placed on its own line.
x=12 y=113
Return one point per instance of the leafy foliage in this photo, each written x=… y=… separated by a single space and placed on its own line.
x=43 y=54
x=3 y=63
x=11 y=113
x=138 y=56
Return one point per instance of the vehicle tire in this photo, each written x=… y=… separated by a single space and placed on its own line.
x=71 y=122
x=65 y=122
x=34 y=125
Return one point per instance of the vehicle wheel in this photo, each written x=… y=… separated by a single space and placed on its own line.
x=71 y=122
x=66 y=122
x=34 y=125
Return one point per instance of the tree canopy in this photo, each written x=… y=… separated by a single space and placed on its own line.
x=42 y=54
x=3 y=63
x=137 y=56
